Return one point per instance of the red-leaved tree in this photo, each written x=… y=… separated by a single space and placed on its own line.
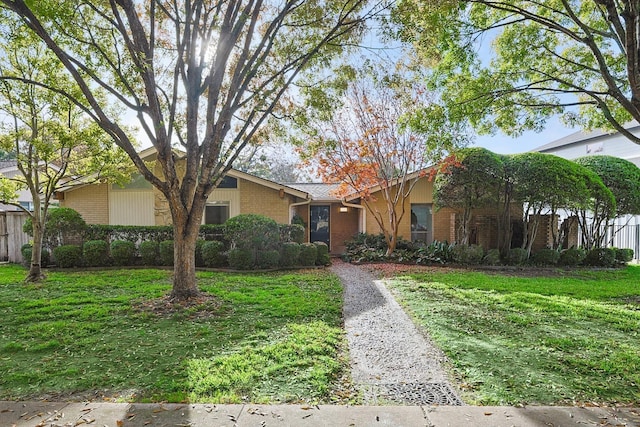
x=379 y=144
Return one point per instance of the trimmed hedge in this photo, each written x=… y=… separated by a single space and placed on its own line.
x=290 y=254
x=212 y=253
x=601 y=257
x=572 y=257
x=308 y=254
x=492 y=257
x=95 y=253
x=322 y=253
x=240 y=259
x=149 y=252
x=68 y=256
x=122 y=252
x=165 y=252
x=268 y=259
x=517 y=256
x=468 y=254
x=546 y=256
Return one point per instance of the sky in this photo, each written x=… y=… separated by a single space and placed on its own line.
x=503 y=144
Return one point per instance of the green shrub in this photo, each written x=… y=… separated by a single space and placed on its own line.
x=291 y=233
x=26 y=251
x=149 y=252
x=546 y=256
x=467 y=254
x=516 y=256
x=492 y=257
x=63 y=225
x=122 y=252
x=252 y=232
x=601 y=257
x=572 y=257
x=308 y=254
x=624 y=256
x=213 y=253
x=198 y=254
x=95 y=253
x=323 y=253
x=268 y=259
x=240 y=259
x=435 y=252
x=165 y=252
x=290 y=253
x=68 y=256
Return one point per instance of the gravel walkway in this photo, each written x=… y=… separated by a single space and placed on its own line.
x=391 y=360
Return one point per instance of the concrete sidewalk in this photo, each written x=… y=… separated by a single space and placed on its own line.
x=51 y=414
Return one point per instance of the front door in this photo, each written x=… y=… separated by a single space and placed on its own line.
x=319 y=224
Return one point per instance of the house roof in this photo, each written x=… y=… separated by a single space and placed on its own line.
x=289 y=189
x=318 y=191
x=583 y=136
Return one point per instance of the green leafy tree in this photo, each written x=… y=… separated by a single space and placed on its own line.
x=203 y=75
x=469 y=179
x=575 y=58
x=545 y=183
x=622 y=178
x=51 y=140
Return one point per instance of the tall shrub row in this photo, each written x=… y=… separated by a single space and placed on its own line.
x=244 y=242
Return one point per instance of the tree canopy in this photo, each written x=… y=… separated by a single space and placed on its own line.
x=574 y=58
x=201 y=75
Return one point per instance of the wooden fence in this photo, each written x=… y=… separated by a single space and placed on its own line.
x=11 y=236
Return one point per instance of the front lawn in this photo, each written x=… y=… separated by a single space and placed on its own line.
x=564 y=338
x=93 y=335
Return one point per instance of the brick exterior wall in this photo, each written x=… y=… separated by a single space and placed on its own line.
x=257 y=199
x=91 y=201
x=343 y=226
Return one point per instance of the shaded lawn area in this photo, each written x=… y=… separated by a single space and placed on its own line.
x=267 y=338
x=571 y=337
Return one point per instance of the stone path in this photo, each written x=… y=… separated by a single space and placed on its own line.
x=391 y=360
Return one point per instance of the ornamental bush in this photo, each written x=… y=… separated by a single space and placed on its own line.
x=240 y=259
x=68 y=256
x=289 y=254
x=492 y=257
x=26 y=251
x=624 y=256
x=601 y=257
x=546 y=256
x=122 y=252
x=165 y=252
x=95 y=253
x=291 y=233
x=252 y=232
x=268 y=258
x=213 y=253
x=149 y=252
x=572 y=257
x=63 y=225
x=308 y=254
x=517 y=256
x=322 y=257
x=468 y=254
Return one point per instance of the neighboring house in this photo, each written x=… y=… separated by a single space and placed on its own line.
x=625 y=231
x=9 y=169
x=596 y=142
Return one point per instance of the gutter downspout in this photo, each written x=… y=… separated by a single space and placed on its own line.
x=293 y=205
x=362 y=223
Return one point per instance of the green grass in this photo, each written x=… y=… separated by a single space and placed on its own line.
x=574 y=337
x=274 y=338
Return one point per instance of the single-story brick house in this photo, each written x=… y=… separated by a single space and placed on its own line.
x=327 y=217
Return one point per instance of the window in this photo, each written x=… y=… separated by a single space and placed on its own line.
x=421 y=219
x=228 y=182
x=216 y=213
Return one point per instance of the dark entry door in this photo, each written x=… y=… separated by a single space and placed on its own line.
x=319 y=224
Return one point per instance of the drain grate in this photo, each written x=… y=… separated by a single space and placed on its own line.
x=417 y=393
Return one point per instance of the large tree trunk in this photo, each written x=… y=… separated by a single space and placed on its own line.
x=185 y=231
x=35 y=268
